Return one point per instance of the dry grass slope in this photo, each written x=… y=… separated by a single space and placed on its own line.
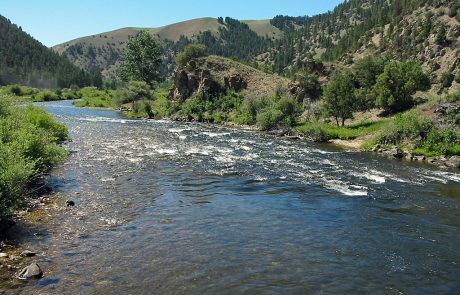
x=259 y=83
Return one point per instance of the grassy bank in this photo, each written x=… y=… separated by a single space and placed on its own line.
x=29 y=146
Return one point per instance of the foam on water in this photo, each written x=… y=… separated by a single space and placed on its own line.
x=104 y=119
x=215 y=134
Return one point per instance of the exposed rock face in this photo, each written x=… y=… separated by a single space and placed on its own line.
x=212 y=75
x=296 y=91
x=199 y=81
x=235 y=82
x=32 y=271
x=448 y=108
x=181 y=81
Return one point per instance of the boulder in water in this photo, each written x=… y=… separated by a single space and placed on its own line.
x=397 y=153
x=32 y=271
x=453 y=162
x=28 y=253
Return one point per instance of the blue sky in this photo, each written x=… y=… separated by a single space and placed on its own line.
x=57 y=21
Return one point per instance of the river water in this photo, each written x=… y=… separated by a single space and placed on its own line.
x=175 y=208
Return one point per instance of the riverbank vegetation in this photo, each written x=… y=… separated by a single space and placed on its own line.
x=337 y=109
x=30 y=141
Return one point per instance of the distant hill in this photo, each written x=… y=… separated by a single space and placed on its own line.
x=26 y=61
x=424 y=30
x=102 y=52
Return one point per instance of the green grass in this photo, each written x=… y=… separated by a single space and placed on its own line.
x=347 y=132
x=29 y=146
x=93 y=97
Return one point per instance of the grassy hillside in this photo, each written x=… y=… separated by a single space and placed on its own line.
x=102 y=52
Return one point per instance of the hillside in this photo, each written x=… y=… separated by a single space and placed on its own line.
x=102 y=52
x=233 y=75
x=26 y=61
x=425 y=30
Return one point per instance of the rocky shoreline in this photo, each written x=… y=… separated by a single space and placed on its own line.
x=18 y=263
x=397 y=153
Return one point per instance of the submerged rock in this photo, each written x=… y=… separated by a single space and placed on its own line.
x=28 y=253
x=70 y=203
x=32 y=271
x=419 y=158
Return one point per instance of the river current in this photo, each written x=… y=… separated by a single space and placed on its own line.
x=166 y=207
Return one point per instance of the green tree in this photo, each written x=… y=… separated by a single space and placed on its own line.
x=190 y=52
x=441 y=37
x=338 y=98
x=396 y=85
x=141 y=59
x=366 y=70
x=309 y=83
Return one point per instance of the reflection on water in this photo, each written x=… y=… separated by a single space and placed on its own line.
x=175 y=208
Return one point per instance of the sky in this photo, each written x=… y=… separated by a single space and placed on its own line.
x=56 y=21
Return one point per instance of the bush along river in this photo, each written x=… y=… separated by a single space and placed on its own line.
x=165 y=207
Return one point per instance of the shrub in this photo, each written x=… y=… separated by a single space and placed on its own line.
x=29 y=139
x=457 y=77
x=453 y=97
x=269 y=118
x=446 y=80
x=46 y=95
x=309 y=84
x=396 y=85
x=136 y=90
x=190 y=52
x=195 y=108
x=422 y=133
x=16 y=90
x=408 y=126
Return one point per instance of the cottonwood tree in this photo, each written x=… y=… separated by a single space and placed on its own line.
x=338 y=99
x=141 y=59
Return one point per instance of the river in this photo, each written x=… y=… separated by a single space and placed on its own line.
x=176 y=208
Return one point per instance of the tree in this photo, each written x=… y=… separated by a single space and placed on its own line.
x=141 y=59
x=367 y=69
x=338 y=98
x=190 y=52
x=396 y=85
x=441 y=37
x=309 y=83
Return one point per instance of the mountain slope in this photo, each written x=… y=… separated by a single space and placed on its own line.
x=26 y=61
x=401 y=29
x=102 y=52
x=409 y=29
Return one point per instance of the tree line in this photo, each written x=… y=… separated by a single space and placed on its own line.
x=24 y=60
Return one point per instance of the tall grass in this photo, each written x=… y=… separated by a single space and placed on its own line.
x=29 y=146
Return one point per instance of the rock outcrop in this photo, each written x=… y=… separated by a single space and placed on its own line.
x=213 y=75
x=453 y=162
x=235 y=82
x=198 y=81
